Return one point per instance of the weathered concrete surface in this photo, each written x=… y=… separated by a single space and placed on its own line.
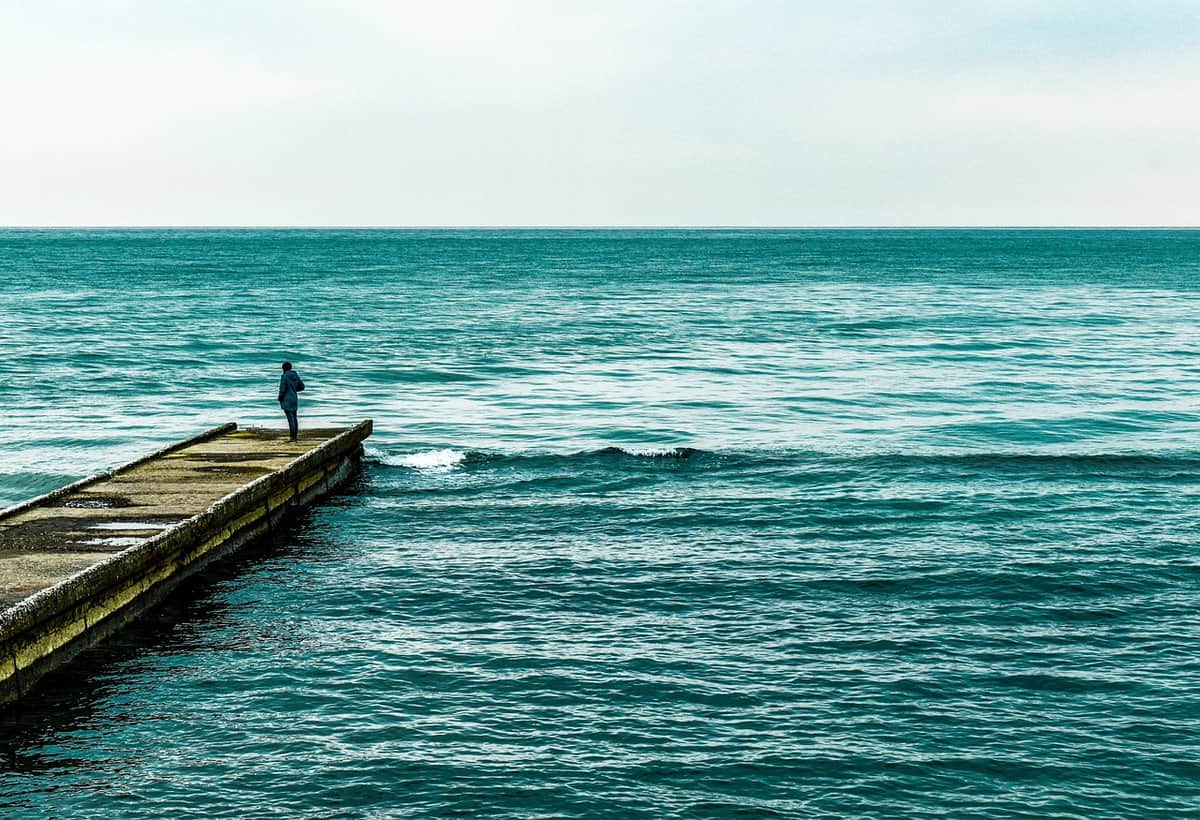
x=79 y=562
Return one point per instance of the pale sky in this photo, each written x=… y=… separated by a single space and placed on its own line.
x=760 y=112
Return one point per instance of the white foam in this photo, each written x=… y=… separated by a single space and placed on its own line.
x=653 y=452
x=429 y=460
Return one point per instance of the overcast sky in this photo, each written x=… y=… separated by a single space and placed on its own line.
x=759 y=112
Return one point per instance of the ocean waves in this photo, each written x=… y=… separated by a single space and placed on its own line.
x=652 y=524
x=1182 y=465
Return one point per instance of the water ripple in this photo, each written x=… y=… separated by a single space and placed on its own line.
x=655 y=524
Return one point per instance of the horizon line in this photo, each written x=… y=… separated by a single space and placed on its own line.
x=313 y=227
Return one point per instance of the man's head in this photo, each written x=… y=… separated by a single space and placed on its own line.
x=287 y=366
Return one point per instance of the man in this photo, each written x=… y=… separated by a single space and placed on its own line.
x=289 y=385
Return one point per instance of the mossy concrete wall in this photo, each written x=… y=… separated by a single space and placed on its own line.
x=45 y=630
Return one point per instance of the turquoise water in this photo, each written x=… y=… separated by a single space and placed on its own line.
x=653 y=524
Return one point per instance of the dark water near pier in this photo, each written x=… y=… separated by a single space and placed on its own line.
x=658 y=524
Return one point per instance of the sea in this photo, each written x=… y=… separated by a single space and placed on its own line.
x=653 y=524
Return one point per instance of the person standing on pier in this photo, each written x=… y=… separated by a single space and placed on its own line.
x=289 y=385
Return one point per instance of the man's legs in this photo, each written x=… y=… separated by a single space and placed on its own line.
x=293 y=423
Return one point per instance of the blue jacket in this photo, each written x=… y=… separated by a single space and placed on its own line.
x=289 y=386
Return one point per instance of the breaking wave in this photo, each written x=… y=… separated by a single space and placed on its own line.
x=442 y=459
x=1028 y=462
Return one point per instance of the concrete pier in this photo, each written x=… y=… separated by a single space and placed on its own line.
x=80 y=562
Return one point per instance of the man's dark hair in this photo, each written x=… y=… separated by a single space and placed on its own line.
x=287 y=365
